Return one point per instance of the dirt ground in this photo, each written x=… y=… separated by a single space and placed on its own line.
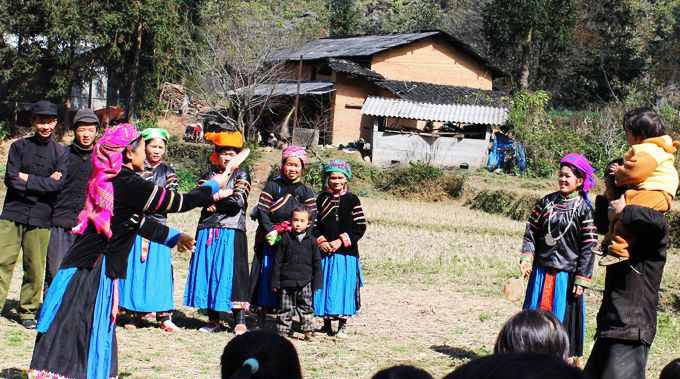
x=432 y=298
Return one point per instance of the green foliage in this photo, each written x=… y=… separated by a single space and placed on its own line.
x=530 y=38
x=145 y=123
x=515 y=205
x=343 y=18
x=5 y=130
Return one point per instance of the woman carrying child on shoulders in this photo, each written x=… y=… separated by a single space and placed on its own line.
x=557 y=254
x=340 y=225
x=279 y=198
x=218 y=272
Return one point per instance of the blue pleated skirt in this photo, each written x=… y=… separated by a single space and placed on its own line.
x=569 y=309
x=211 y=271
x=267 y=298
x=149 y=286
x=342 y=279
x=77 y=340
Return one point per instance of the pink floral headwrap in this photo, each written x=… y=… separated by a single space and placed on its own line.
x=107 y=160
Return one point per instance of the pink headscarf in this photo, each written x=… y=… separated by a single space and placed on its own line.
x=107 y=160
x=582 y=164
x=294 y=151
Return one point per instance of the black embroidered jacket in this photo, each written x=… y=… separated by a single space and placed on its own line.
x=340 y=217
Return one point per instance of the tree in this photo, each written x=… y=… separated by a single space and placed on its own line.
x=530 y=37
x=343 y=18
x=231 y=66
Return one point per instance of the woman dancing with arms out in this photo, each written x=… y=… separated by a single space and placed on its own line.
x=340 y=225
x=149 y=286
x=218 y=273
x=557 y=251
x=279 y=198
x=78 y=340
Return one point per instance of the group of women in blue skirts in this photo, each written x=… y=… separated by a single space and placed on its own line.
x=219 y=279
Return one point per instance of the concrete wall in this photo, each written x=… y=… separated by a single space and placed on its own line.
x=348 y=122
x=432 y=61
x=390 y=148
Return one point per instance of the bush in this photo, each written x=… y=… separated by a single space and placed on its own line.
x=5 y=130
x=515 y=205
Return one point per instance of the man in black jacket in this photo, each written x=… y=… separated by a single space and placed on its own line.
x=71 y=199
x=626 y=321
x=36 y=169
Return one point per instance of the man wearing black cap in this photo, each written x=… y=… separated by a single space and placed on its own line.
x=71 y=199
x=35 y=174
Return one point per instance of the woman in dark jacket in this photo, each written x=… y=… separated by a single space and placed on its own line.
x=218 y=272
x=78 y=340
x=557 y=251
x=279 y=198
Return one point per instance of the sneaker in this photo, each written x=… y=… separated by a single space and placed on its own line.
x=29 y=323
x=169 y=326
x=211 y=327
x=240 y=329
x=610 y=259
x=310 y=337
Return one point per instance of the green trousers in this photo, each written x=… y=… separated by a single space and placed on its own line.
x=15 y=237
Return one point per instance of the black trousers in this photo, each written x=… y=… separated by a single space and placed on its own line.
x=61 y=241
x=617 y=359
x=292 y=300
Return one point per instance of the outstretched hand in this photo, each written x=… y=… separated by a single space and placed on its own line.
x=186 y=243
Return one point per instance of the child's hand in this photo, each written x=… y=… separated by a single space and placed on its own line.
x=613 y=168
x=222 y=194
x=335 y=245
x=186 y=243
x=212 y=208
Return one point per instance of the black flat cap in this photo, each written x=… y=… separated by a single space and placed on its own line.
x=44 y=108
x=85 y=116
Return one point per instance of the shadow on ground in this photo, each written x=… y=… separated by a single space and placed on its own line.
x=454 y=352
x=11 y=311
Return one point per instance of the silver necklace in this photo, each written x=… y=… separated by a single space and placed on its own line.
x=549 y=239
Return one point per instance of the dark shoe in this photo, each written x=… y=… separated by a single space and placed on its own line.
x=327 y=328
x=29 y=323
x=610 y=259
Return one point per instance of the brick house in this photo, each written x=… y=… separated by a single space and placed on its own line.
x=396 y=75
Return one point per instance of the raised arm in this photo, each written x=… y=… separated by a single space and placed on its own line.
x=145 y=196
x=239 y=199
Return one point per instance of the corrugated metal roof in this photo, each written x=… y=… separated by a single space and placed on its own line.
x=289 y=88
x=456 y=113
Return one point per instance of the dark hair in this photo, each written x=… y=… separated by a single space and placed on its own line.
x=644 y=122
x=302 y=208
x=533 y=331
x=402 y=372
x=577 y=171
x=219 y=149
x=517 y=366
x=671 y=371
x=275 y=355
x=133 y=145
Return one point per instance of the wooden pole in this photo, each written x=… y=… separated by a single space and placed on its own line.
x=297 y=101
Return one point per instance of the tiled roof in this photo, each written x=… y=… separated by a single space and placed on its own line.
x=349 y=67
x=456 y=113
x=366 y=46
x=444 y=94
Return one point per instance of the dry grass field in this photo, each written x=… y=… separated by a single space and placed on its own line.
x=432 y=298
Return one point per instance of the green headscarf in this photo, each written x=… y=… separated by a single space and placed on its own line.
x=153 y=133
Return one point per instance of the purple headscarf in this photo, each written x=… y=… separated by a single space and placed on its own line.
x=582 y=164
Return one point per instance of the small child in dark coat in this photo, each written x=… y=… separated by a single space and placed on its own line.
x=296 y=275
